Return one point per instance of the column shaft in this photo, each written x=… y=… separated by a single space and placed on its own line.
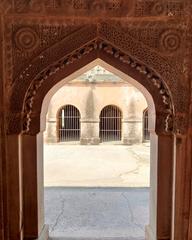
x=15 y=207
x=33 y=189
x=89 y=132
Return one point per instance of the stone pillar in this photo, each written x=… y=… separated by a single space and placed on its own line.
x=131 y=131
x=15 y=196
x=51 y=131
x=161 y=175
x=89 y=132
x=89 y=122
x=151 y=229
x=3 y=182
x=50 y=135
x=182 y=195
x=33 y=189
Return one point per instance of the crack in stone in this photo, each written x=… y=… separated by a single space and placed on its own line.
x=131 y=212
x=58 y=217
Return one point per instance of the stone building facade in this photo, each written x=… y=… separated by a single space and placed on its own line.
x=42 y=44
x=90 y=98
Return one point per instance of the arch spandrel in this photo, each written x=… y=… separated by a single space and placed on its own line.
x=87 y=43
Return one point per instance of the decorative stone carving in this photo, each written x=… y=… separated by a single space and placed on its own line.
x=87 y=7
x=98 y=45
x=26 y=39
x=160 y=49
x=113 y=8
x=31 y=39
x=159 y=8
x=170 y=41
x=5 y=5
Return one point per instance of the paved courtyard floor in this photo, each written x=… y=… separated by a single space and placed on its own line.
x=96 y=213
x=96 y=192
x=96 y=166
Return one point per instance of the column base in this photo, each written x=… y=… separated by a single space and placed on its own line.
x=149 y=235
x=50 y=140
x=89 y=141
x=130 y=141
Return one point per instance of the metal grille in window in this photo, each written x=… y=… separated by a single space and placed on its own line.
x=68 y=124
x=110 y=124
x=146 y=134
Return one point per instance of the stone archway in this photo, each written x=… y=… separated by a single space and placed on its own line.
x=27 y=122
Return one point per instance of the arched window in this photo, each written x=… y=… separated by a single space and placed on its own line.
x=146 y=134
x=110 y=124
x=68 y=124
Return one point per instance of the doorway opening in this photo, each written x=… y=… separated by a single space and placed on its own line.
x=94 y=189
x=110 y=124
x=68 y=122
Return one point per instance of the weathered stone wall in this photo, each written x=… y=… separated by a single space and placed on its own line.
x=130 y=101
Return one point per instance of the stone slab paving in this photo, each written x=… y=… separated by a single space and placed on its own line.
x=97 y=166
x=96 y=213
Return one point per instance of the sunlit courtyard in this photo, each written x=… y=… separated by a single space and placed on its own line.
x=103 y=165
x=96 y=191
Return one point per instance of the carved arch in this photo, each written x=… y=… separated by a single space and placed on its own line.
x=59 y=61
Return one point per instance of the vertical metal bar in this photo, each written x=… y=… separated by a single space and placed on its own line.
x=73 y=126
x=71 y=123
x=65 y=119
x=107 y=132
x=105 y=123
x=106 y=127
x=76 y=121
x=62 y=119
x=120 y=122
x=117 y=124
x=59 y=126
x=113 y=124
x=114 y=131
x=66 y=122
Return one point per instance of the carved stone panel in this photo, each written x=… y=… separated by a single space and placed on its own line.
x=101 y=8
